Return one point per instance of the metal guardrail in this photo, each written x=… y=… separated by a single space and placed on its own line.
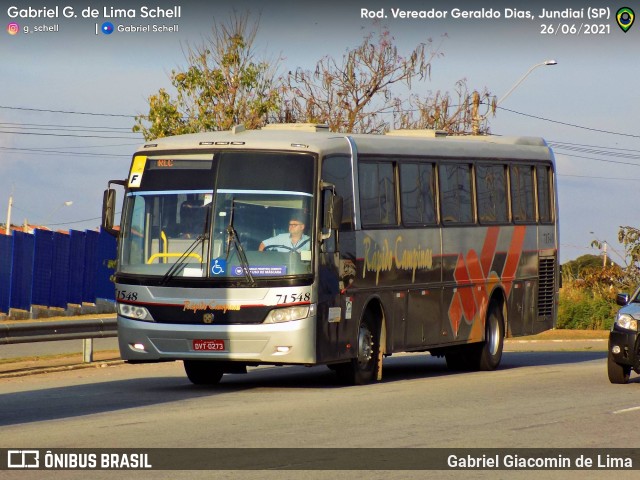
x=44 y=331
x=26 y=332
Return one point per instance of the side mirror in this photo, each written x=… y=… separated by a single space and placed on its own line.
x=109 y=207
x=332 y=210
x=109 y=210
x=622 y=299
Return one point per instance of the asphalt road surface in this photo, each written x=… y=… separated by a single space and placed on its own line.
x=556 y=399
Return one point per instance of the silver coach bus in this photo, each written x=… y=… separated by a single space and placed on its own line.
x=294 y=245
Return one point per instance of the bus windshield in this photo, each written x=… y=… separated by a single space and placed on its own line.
x=225 y=217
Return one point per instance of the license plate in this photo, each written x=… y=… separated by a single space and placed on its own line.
x=208 y=345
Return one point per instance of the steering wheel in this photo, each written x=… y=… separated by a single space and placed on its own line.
x=277 y=247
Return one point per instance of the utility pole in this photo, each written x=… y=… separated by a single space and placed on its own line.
x=604 y=254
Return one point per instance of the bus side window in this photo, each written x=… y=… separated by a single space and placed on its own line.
x=492 y=193
x=522 y=198
x=455 y=193
x=543 y=175
x=337 y=171
x=377 y=193
x=417 y=183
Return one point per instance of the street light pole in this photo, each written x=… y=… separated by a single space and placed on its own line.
x=541 y=64
x=68 y=203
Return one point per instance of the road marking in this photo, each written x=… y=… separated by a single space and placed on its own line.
x=625 y=410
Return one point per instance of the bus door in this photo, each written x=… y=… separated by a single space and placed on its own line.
x=402 y=331
x=424 y=317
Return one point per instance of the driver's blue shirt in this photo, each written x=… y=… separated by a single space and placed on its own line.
x=284 y=240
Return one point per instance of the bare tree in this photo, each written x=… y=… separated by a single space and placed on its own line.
x=465 y=114
x=355 y=95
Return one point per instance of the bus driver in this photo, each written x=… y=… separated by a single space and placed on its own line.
x=293 y=241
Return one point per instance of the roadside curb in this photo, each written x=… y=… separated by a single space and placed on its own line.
x=559 y=340
x=22 y=372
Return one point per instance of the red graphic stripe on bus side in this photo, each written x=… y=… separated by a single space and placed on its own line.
x=476 y=274
x=479 y=279
x=513 y=257
x=489 y=249
x=455 y=314
x=460 y=273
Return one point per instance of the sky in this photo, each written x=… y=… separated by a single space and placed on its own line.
x=68 y=97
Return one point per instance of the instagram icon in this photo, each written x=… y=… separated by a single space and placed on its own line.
x=13 y=28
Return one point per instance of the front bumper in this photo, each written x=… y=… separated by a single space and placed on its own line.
x=627 y=341
x=252 y=344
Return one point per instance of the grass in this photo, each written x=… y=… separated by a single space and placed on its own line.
x=566 y=334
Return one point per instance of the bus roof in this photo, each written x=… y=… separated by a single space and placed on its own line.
x=318 y=138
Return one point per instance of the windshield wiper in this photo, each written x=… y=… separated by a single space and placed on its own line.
x=232 y=237
x=180 y=262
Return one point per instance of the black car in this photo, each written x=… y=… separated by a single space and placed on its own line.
x=624 y=347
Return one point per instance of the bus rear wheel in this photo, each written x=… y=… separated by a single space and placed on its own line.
x=364 y=368
x=490 y=351
x=201 y=372
x=481 y=356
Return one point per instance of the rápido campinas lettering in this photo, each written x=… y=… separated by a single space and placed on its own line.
x=382 y=258
x=204 y=306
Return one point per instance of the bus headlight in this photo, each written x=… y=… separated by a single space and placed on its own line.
x=289 y=314
x=627 y=322
x=134 y=311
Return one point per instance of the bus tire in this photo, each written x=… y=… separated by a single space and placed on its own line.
x=362 y=369
x=457 y=360
x=202 y=372
x=618 y=374
x=490 y=351
x=480 y=356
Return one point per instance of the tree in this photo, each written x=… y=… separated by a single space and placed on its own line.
x=224 y=84
x=629 y=237
x=357 y=95
x=439 y=111
x=575 y=268
x=354 y=95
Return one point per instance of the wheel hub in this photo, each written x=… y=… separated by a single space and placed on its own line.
x=365 y=346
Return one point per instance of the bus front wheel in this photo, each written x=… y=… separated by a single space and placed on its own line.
x=202 y=372
x=362 y=369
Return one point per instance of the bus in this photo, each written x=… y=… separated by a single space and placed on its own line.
x=413 y=241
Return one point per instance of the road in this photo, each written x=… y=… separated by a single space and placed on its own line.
x=63 y=347
x=556 y=399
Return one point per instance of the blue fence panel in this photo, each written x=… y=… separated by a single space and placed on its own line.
x=59 y=294
x=6 y=256
x=106 y=252
x=22 y=272
x=76 y=266
x=90 y=266
x=42 y=264
x=55 y=269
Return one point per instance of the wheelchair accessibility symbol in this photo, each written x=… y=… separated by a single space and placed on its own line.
x=218 y=266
